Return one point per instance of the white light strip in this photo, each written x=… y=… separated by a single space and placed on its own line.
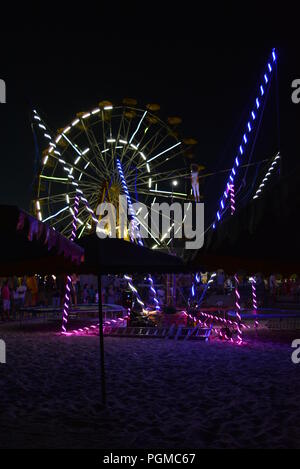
x=139 y=125
x=53 y=178
x=166 y=192
x=69 y=141
x=57 y=213
x=266 y=178
x=165 y=151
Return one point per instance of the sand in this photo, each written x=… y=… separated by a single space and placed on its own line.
x=161 y=394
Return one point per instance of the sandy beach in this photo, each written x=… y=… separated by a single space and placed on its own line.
x=161 y=393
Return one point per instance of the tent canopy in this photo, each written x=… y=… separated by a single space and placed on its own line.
x=261 y=237
x=116 y=256
x=29 y=246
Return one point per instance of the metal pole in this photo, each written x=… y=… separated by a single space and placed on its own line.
x=102 y=365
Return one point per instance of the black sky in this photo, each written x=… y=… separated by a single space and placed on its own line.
x=211 y=84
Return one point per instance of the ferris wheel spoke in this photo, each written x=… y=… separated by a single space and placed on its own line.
x=56 y=198
x=160 y=177
x=171 y=157
x=59 y=180
x=149 y=231
x=152 y=144
x=138 y=150
x=141 y=149
x=107 y=148
x=125 y=137
x=120 y=129
x=65 y=164
x=93 y=143
x=138 y=127
x=80 y=153
x=165 y=194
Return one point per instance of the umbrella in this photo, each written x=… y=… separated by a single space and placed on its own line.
x=262 y=236
x=28 y=246
x=117 y=256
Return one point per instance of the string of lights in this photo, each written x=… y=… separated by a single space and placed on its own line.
x=267 y=75
x=69 y=280
x=136 y=232
x=268 y=175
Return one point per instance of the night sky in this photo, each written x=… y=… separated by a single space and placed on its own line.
x=210 y=84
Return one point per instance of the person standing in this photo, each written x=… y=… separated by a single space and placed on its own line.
x=220 y=282
x=273 y=286
x=5 y=294
x=32 y=287
x=75 y=280
x=195 y=181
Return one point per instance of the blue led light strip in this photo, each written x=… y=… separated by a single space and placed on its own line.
x=249 y=128
x=136 y=230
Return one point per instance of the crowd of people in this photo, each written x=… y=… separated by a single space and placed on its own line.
x=31 y=291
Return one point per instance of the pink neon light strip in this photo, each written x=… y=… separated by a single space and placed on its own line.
x=254 y=302
x=238 y=310
x=66 y=306
x=232 y=199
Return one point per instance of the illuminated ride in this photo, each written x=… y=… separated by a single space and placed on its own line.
x=112 y=151
x=108 y=152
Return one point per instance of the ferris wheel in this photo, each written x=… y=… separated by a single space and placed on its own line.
x=109 y=151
